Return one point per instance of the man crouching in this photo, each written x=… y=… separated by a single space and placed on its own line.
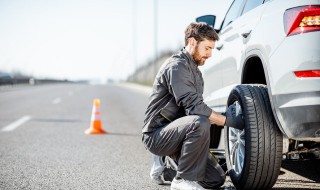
x=177 y=121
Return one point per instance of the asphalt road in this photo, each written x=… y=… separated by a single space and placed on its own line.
x=46 y=147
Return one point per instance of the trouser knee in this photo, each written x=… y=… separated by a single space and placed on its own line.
x=203 y=124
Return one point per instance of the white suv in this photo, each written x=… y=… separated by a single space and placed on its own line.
x=267 y=61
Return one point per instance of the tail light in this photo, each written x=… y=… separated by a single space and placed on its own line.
x=309 y=73
x=302 y=20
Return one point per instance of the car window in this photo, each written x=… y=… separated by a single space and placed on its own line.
x=251 y=5
x=233 y=13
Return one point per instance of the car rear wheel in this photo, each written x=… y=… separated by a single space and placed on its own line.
x=253 y=155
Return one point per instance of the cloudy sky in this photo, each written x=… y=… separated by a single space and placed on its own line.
x=92 y=39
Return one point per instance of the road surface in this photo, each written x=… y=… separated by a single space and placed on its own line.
x=43 y=145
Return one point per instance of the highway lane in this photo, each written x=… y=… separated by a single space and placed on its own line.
x=49 y=150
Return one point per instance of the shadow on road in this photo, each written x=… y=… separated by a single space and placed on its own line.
x=307 y=168
x=124 y=134
x=291 y=188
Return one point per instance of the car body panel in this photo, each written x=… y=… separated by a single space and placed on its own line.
x=226 y=65
x=291 y=97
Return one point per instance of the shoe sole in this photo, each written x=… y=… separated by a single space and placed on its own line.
x=158 y=182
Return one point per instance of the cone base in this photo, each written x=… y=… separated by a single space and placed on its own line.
x=92 y=131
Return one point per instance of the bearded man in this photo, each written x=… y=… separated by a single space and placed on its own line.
x=177 y=121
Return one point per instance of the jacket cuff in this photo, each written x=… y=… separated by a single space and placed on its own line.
x=207 y=112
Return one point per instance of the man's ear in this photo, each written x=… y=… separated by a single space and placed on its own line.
x=192 y=42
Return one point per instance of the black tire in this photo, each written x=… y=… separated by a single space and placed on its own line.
x=260 y=141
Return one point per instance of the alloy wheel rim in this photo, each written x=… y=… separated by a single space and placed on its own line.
x=236 y=146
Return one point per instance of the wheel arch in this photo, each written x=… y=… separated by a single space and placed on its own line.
x=254 y=64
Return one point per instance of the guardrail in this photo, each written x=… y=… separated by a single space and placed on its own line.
x=27 y=81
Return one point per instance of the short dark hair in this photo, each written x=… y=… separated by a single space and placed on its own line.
x=200 y=31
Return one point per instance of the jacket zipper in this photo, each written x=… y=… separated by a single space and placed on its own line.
x=165 y=117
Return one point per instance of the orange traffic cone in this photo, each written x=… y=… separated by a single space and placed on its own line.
x=96 y=124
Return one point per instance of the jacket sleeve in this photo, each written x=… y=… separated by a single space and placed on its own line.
x=182 y=86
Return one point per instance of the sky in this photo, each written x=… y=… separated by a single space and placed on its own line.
x=93 y=39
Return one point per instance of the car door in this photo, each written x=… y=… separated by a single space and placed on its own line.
x=234 y=37
x=213 y=81
x=215 y=67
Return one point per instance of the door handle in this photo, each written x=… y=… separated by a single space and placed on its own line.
x=246 y=33
x=219 y=47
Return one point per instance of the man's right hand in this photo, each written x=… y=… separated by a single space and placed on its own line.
x=234 y=117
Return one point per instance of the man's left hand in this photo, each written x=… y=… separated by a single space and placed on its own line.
x=234 y=117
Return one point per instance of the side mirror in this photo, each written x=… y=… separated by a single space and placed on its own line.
x=209 y=19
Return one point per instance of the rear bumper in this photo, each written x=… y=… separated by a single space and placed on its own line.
x=296 y=101
x=299 y=115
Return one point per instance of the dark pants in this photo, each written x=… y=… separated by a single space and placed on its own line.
x=186 y=140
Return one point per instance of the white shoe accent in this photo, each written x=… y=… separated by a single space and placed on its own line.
x=183 y=184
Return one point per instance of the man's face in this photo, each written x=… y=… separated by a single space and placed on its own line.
x=203 y=51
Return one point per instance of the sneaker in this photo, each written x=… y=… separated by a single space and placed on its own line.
x=182 y=184
x=157 y=179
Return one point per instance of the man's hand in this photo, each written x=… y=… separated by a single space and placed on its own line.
x=217 y=119
x=234 y=117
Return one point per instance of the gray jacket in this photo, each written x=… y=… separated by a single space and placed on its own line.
x=177 y=92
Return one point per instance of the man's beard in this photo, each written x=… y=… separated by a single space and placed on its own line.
x=197 y=57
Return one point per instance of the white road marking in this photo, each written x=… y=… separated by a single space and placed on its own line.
x=56 y=101
x=16 y=124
